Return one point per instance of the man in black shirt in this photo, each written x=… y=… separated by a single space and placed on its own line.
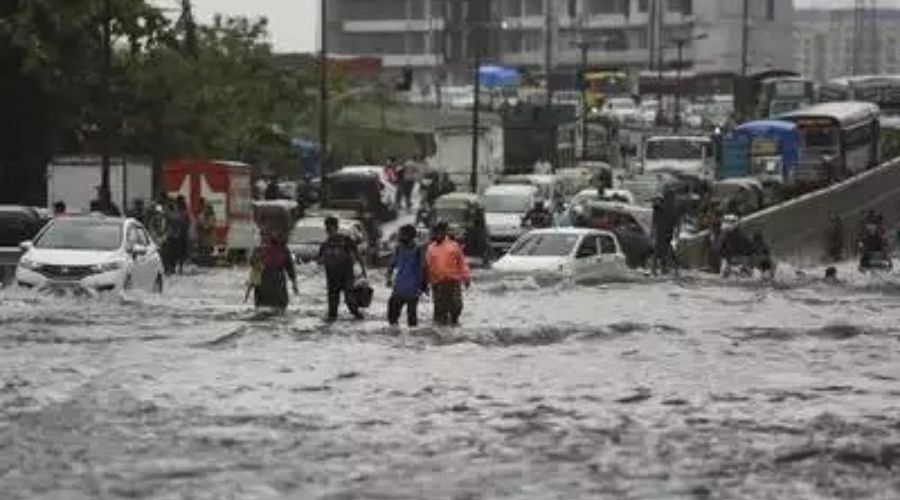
x=338 y=254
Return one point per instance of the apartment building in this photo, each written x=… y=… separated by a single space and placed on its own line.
x=839 y=42
x=440 y=39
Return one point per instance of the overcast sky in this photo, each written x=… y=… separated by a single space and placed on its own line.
x=292 y=23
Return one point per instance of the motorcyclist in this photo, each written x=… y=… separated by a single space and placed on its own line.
x=538 y=217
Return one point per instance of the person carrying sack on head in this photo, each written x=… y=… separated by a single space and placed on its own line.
x=447 y=272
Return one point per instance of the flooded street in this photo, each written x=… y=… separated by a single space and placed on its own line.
x=647 y=390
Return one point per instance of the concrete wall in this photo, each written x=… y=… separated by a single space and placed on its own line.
x=798 y=230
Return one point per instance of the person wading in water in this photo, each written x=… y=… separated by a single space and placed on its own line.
x=272 y=266
x=447 y=272
x=338 y=255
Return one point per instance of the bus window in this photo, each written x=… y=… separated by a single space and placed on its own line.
x=820 y=137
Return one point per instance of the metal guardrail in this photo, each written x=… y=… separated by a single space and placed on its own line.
x=798 y=230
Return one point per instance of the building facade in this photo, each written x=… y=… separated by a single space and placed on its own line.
x=842 y=42
x=440 y=39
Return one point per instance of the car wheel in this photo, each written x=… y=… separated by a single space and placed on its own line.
x=158 y=284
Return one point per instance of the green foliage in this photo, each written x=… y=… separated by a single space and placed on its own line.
x=214 y=91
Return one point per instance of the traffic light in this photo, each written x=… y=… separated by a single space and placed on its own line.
x=406 y=80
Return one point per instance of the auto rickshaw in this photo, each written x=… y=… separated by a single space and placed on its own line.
x=632 y=224
x=464 y=212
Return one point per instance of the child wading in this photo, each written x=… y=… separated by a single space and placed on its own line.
x=409 y=281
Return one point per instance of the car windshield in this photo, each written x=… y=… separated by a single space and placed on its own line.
x=507 y=203
x=308 y=235
x=675 y=149
x=75 y=234
x=545 y=245
x=819 y=137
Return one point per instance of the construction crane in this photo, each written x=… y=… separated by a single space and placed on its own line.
x=866 y=39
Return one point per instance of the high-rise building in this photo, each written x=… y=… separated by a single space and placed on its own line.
x=842 y=42
x=439 y=39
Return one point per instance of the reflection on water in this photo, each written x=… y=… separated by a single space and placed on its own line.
x=694 y=388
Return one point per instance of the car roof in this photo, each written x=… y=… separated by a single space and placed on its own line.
x=512 y=189
x=695 y=138
x=572 y=231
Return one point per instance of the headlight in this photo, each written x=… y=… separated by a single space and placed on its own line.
x=108 y=267
x=28 y=263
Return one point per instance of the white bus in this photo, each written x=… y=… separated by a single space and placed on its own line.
x=837 y=139
x=883 y=90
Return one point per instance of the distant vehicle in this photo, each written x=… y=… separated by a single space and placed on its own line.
x=224 y=185
x=17 y=225
x=620 y=109
x=365 y=189
x=74 y=180
x=91 y=254
x=837 y=139
x=780 y=95
x=881 y=90
x=647 y=112
x=570 y=98
x=309 y=234
x=602 y=85
x=567 y=253
x=630 y=223
x=681 y=155
x=549 y=188
x=765 y=149
x=465 y=214
x=458 y=97
x=505 y=208
x=453 y=155
x=576 y=179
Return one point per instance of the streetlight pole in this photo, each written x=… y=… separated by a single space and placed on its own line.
x=584 y=46
x=323 y=89
x=476 y=125
x=105 y=194
x=679 y=45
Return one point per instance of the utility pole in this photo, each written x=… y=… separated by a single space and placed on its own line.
x=679 y=45
x=476 y=124
x=324 y=157
x=583 y=46
x=548 y=49
x=745 y=39
x=190 y=28
x=105 y=194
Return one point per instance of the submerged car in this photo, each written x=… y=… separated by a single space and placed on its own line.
x=91 y=254
x=567 y=253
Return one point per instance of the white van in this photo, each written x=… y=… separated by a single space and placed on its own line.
x=505 y=207
x=680 y=155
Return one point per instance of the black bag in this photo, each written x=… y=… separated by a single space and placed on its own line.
x=361 y=294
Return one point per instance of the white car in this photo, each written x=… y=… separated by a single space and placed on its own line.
x=621 y=109
x=91 y=254
x=566 y=253
x=309 y=234
x=505 y=207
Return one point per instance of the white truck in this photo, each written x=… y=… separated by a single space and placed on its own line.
x=74 y=180
x=454 y=155
x=681 y=155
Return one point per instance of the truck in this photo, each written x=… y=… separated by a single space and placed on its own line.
x=453 y=154
x=224 y=185
x=74 y=180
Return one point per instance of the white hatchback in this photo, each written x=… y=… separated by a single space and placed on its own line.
x=569 y=253
x=91 y=254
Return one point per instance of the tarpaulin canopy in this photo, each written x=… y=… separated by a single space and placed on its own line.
x=498 y=76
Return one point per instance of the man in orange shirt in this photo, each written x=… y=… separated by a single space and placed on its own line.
x=447 y=272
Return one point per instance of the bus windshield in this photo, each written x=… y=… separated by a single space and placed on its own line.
x=675 y=149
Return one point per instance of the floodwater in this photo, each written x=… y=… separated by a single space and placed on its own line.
x=691 y=389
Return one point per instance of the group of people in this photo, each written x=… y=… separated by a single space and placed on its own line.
x=403 y=176
x=438 y=268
